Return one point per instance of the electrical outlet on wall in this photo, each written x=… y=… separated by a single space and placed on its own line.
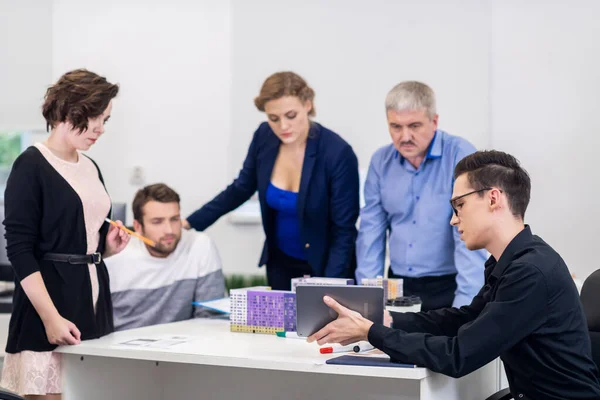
x=137 y=177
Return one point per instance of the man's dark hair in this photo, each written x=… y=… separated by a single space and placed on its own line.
x=157 y=192
x=493 y=168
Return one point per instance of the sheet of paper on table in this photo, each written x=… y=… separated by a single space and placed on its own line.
x=220 y=305
x=157 y=342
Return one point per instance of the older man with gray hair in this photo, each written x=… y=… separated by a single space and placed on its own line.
x=407 y=193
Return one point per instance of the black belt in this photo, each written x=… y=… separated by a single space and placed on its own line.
x=95 y=258
x=426 y=279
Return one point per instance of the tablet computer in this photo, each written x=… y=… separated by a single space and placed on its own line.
x=367 y=361
x=313 y=314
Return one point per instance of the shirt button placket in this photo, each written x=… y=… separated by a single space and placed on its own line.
x=415 y=187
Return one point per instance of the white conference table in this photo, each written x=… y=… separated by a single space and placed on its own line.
x=218 y=364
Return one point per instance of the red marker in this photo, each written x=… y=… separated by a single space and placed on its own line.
x=336 y=349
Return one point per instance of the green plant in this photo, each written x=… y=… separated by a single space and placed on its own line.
x=10 y=148
x=258 y=280
x=237 y=281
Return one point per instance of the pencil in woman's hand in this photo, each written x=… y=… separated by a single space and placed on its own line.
x=142 y=238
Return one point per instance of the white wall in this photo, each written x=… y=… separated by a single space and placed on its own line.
x=172 y=115
x=518 y=76
x=353 y=52
x=545 y=103
x=25 y=62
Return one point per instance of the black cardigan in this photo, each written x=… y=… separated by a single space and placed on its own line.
x=44 y=214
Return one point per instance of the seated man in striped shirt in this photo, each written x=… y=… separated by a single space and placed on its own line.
x=157 y=285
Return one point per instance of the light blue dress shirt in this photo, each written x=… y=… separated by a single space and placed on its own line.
x=412 y=205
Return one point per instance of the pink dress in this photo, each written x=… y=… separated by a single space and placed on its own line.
x=39 y=373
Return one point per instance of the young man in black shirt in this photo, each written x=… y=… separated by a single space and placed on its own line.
x=528 y=313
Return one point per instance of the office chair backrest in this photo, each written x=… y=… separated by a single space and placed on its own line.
x=9 y=396
x=6 y=271
x=590 y=298
x=119 y=212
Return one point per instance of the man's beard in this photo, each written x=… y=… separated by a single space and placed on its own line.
x=160 y=248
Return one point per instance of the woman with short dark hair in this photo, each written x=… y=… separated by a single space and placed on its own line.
x=55 y=209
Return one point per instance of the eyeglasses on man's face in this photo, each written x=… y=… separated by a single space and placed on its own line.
x=455 y=205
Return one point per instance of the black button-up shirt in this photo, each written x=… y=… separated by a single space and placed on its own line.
x=528 y=314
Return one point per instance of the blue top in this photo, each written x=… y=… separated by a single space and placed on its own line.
x=328 y=201
x=287 y=226
x=412 y=205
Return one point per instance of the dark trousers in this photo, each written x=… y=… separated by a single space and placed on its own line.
x=435 y=291
x=281 y=268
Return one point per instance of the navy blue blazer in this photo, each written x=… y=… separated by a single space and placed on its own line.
x=328 y=199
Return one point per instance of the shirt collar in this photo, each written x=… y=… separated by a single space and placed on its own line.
x=515 y=245
x=434 y=151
